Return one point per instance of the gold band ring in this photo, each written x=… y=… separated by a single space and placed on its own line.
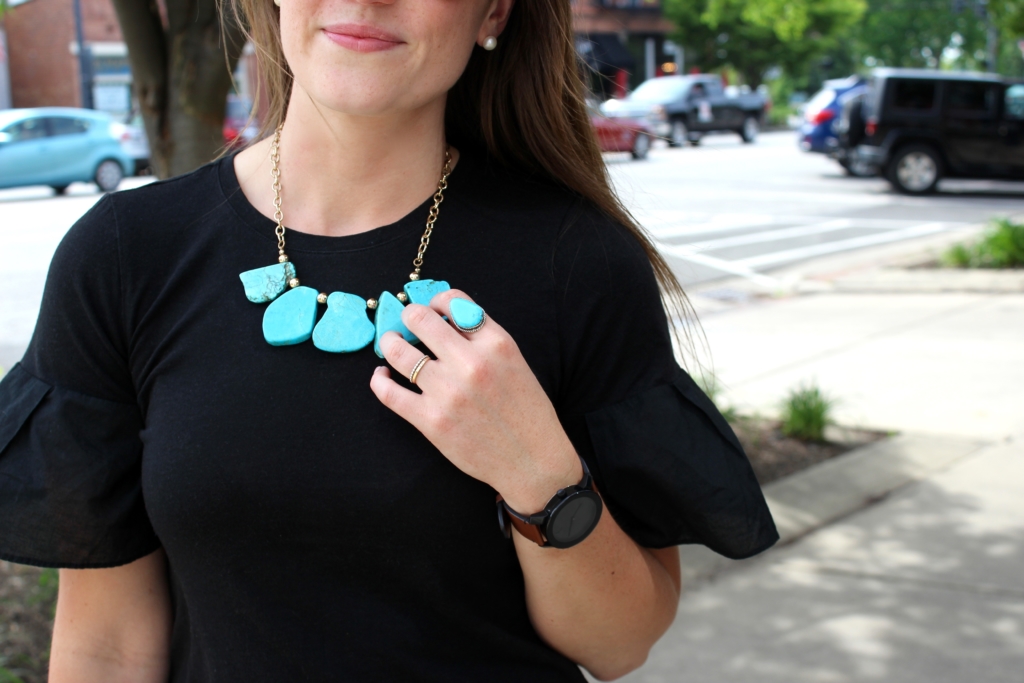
x=416 y=368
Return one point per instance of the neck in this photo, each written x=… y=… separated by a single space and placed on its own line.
x=344 y=174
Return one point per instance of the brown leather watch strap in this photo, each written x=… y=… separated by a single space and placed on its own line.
x=526 y=530
x=510 y=519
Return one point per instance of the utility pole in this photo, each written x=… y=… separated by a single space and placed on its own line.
x=84 y=58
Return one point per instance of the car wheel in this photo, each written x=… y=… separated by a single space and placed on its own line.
x=679 y=135
x=59 y=189
x=108 y=175
x=641 y=146
x=750 y=129
x=915 y=169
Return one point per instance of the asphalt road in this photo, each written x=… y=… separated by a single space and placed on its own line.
x=718 y=210
x=725 y=209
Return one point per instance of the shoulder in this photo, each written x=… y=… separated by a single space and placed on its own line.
x=101 y=227
x=575 y=230
x=174 y=199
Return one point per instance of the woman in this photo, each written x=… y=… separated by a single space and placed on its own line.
x=236 y=490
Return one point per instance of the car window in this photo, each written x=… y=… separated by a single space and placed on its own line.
x=713 y=87
x=28 y=129
x=971 y=99
x=822 y=99
x=62 y=125
x=873 y=97
x=912 y=95
x=1015 y=102
x=659 y=90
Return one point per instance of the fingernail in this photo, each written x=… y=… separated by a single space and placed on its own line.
x=379 y=369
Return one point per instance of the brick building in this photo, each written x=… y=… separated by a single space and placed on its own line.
x=624 y=43
x=43 y=56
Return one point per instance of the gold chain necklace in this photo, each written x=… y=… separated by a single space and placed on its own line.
x=344 y=327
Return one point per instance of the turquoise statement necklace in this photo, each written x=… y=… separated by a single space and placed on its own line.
x=345 y=326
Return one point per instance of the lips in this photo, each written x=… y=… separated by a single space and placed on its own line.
x=362 y=37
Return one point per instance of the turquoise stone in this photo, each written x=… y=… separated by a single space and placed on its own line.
x=290 y=318
x=422 y=291
x=344 y=328
x=466 y=315
x=265 y=284
x=389 y=319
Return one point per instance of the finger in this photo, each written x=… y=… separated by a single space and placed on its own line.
x=403 y=356
x=442 y=304
x=403 y=402
x=440 y=337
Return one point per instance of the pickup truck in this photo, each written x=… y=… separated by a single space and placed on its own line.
x=683 y=109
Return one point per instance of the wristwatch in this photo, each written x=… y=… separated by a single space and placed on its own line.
x=567 y=519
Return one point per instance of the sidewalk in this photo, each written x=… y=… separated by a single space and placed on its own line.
x=922 y=588
x=926 y=585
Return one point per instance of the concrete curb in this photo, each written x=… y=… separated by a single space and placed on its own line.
x=928 y=281
x=831 y=490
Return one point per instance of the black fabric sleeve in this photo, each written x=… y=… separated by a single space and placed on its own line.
x=70 y=451
x=668 y=465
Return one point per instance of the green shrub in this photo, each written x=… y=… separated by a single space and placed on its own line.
x=1002 y=246
x=7 y=676
x=805 y=413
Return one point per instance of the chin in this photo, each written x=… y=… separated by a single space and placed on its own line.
x=364 y=99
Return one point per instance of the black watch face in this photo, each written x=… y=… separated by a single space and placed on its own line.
x=573 y=520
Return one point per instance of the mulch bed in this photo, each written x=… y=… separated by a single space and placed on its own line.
x=774 y=456
x=28 y=595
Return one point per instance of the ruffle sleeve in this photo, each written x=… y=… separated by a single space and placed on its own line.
x=672 y=472
x=70 y=492
x=666 y=462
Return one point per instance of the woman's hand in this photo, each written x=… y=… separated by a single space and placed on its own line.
x=480 y=405
x=602 y=603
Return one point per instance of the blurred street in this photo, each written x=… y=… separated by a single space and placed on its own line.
x=899 y=562
x=725 y=208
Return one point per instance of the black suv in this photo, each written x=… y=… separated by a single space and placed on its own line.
x=920 y=126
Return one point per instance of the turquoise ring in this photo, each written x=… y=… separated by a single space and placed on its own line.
x=466 y=315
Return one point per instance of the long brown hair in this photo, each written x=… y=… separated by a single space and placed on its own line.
x=525 y=103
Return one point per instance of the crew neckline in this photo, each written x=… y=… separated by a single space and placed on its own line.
x=297 y=241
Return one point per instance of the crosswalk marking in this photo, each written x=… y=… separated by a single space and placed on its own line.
x=720 y=232
x=779 y=257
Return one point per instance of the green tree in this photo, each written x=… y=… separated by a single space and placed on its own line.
x=182 y=59
x=751 y=36
x=915 y=33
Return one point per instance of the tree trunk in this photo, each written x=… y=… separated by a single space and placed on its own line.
x=181 y=69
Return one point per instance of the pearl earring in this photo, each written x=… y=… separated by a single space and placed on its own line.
x=490 y=42
x=277 y=2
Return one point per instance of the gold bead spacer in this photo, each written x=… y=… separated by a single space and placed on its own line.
x=414 y=276
x=283 y=258
x=294 y=282
x=371 y=304
x=321 y=298
x=403 y=297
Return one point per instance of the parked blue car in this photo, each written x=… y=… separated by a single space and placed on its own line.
x=817 y=134
x=57 y=146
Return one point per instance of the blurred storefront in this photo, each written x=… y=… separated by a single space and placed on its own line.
x=46 y=70
x=43 y=60
x=623 y=43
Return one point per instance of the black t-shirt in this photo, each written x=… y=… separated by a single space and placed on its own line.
x=311 y=533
